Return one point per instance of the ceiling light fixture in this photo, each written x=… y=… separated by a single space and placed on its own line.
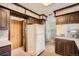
x=46 y=4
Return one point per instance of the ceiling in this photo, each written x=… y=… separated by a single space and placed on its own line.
x=40 y=8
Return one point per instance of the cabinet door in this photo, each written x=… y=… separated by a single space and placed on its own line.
x=3 y=19
x=61 y=20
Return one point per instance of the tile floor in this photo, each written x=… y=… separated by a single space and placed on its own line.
x=50 y=50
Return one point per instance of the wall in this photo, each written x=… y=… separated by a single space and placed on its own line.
x=61 y=30
x=50 y=27
x=64 y=29
x=4 y=34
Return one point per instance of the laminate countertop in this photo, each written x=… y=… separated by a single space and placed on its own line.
x=74 y=39
x=4 y=42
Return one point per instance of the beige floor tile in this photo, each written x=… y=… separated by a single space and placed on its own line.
x=49 y=51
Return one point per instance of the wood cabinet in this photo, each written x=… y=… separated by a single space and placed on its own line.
x=5 y=50
x=74 y=18
x=66 y=47
x=68 y=18
x=4 y=17
x=61 y=20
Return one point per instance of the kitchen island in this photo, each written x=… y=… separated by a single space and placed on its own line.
x=67 y=46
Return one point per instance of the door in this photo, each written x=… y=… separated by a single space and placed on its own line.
x=16 y=34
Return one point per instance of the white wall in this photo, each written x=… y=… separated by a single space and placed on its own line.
x=50 y=27
x=64 y=28
x=61 y=30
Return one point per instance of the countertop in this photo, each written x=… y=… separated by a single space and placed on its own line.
x=4 y=42
x=74 y=39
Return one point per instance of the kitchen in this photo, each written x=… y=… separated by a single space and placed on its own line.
x=24 y=31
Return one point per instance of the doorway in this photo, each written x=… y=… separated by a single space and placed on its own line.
x=16 y=34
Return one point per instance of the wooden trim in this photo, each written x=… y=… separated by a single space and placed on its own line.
x=44 y=15
x=9 y=26
x=67 y=7
x=24 y=36
x=15 y=13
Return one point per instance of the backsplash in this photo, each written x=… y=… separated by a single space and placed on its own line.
x=3 y=34
x=68 y=30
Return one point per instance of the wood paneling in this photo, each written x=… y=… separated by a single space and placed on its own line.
x=66 y=47
x=16 y=33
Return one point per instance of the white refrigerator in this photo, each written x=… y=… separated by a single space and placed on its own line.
x=35 y=39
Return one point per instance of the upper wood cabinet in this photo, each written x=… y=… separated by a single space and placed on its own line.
x=74 y=18
x=4 y=17
x=61 y=20
x=68 y=18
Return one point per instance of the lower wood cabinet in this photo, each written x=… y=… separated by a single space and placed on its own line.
x=66 y=47
x=5 y=50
